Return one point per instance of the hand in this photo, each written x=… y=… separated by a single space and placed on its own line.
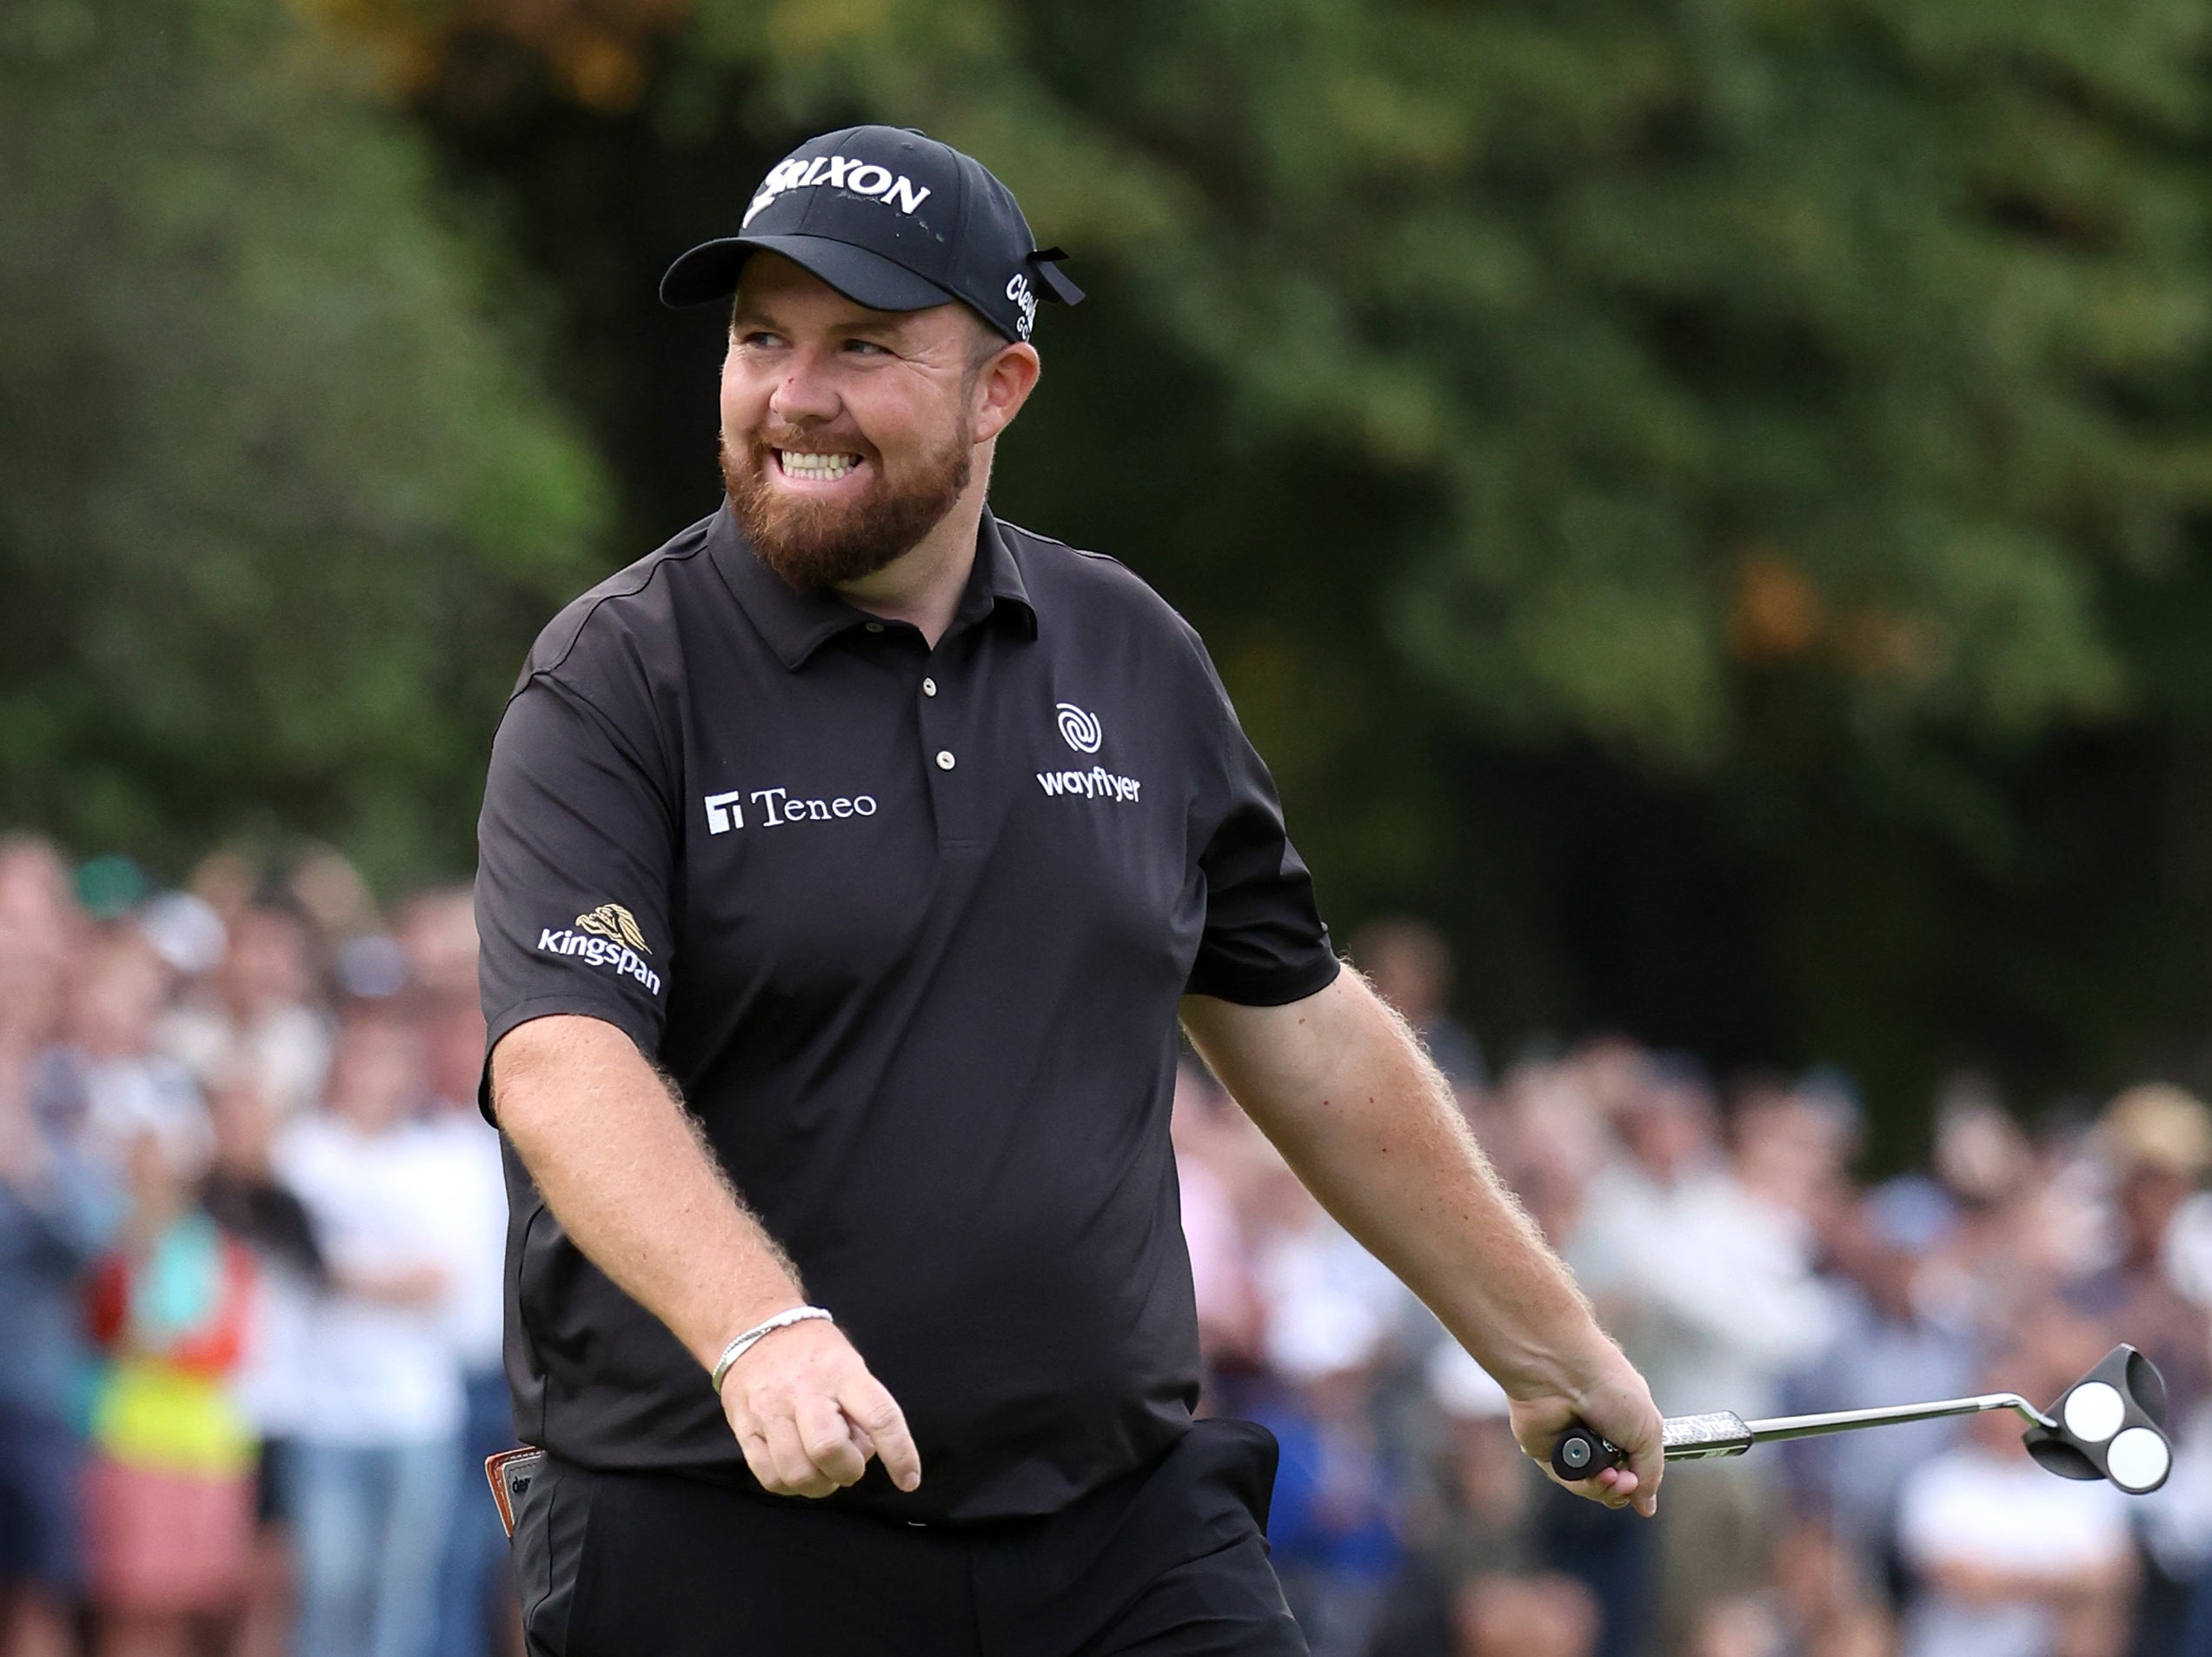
x=1616 y=1404
x=808 y=1414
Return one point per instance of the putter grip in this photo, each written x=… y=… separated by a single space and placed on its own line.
x=1581 y=1454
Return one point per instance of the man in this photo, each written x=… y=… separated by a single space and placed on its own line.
x=843 y=865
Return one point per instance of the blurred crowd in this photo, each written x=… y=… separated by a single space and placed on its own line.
x=251 y=1235
x=1718 y=1227
x=251 y=1232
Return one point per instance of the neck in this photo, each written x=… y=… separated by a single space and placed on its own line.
x=922 y=586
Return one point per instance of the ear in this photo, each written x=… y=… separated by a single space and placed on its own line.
x=1002 y=386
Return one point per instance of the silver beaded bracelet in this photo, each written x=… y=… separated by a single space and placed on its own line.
x=745 y=1342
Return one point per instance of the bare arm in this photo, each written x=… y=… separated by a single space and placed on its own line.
x=622 y=1166
x=1343 y=1089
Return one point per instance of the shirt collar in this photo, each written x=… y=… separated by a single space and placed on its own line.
x=796 y=625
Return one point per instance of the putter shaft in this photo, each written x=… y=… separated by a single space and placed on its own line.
x=1724 y=1433
x=1843 y=1420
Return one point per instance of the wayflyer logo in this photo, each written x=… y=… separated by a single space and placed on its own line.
x=1079 y=730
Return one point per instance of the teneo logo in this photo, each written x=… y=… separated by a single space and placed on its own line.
x=777 y=807
x=1080 y=731
x=606 y=937
x=613 y=921
x=855 y=178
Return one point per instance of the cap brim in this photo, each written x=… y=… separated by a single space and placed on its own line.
x=709 y=272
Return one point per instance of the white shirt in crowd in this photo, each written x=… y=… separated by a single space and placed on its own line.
x=469 y=1196
x=1969 y=1506
x=284 y=1052
x=373 y=1374
x=1715 y=1287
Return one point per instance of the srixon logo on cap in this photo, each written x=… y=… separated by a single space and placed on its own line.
x=856 y=177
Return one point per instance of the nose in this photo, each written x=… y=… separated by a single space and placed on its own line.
x=804 y=393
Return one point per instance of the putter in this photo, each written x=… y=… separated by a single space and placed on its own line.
x=2110 y=1424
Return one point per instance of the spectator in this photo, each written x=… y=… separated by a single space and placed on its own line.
x=1711 y=1287
x=477 y=1593
x=103 y=1083
x=1221 y=1282
x=1332 y=1530
x=1479 y=1518
x=2156 y=1142
x=1524 y=1616
x=1884 y=1349
x=1982 y=1261
x=373 y=1473
x=255 y=1023
x=170 y=1498
x=243 y=1197
x=57 y=1211
x=1410 y=964
x=438 y=936
x=2008 y=1560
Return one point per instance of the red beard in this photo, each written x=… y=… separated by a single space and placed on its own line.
x=816 y=544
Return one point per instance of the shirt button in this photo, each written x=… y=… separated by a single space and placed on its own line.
x=875 y=627
x=943 y=759
x=929 y=687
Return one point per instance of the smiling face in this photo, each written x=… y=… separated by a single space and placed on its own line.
x=849 y=434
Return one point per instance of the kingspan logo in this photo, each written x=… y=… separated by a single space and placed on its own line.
x=855 y=178
x=607 y=936
x=613 y=921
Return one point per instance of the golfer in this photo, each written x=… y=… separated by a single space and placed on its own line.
x=846 y=865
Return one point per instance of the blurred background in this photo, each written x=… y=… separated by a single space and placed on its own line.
x=1703 y=504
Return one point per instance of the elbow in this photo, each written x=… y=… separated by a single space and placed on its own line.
x=538 y=1068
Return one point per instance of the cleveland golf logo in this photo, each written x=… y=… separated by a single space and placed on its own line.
x=855 y=177
x=607 y=936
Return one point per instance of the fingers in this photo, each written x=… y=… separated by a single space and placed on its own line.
x=877 y=1414
x=827 y=1441
x=809 y=1416
x=796 y=1473
x=1645 y=1466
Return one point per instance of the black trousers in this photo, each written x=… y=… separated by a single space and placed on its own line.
x=1169 y=1562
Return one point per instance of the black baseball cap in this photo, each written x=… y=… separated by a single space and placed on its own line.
x=894 y=220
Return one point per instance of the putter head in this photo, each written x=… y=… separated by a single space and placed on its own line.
x=2111 y=1425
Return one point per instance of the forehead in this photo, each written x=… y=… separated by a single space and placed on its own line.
x=771 y=286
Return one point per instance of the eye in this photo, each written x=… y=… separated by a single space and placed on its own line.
x=759 y=339
x=867 y=348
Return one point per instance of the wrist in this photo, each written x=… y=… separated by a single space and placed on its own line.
x=745 y=1341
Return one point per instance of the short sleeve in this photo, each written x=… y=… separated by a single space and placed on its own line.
x=575 y=851
x=1263 y=944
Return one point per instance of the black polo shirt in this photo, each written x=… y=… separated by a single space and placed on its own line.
x=907 y=928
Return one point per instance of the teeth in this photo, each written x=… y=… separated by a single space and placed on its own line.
x=822 y=467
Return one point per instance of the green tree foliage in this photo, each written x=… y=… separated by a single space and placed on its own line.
x=277 y=515
x=1695 y=341
x=1707 y=497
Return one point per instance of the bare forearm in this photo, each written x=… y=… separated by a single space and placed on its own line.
x=1370 y=1129
x=623 y=1168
